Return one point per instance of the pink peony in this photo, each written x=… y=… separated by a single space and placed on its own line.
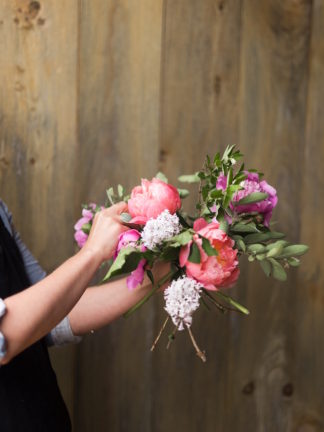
x=130 y=238
x=213 y=271
x=252 y=184
x=151 y=198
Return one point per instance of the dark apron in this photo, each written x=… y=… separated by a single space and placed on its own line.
x=30 y=400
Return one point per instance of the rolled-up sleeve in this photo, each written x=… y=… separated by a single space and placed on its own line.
x=61 y=334
x=3 y=344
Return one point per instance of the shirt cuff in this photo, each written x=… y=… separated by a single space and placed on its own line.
x=62 y=334
x=3 y=344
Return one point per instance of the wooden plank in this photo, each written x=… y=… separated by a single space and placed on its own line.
x=274 y=77
x=308 y=396
x=38 y=130
x=199 y=115
x=120 y=49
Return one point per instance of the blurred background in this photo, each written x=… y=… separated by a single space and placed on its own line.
x=99 y=92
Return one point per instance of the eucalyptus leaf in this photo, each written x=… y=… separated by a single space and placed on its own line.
x=294 y=262
x=278 y=271
x=240 y=243
x=294 y=250
x=262 y=237
x=275 y=251
x=183 y=193
x=120 y=191
x=260 y=257
x=162 y=177
x=244 y=228
x=256 y=248
x=252 y=198
x=190 y=178
x=266 y=267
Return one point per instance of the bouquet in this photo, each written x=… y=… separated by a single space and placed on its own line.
x=232 y=221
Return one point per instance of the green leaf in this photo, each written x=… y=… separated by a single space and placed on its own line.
x=110 y=194
x=208 y=248
x=182 y=220
x=254 y=197
x=266 y=267
x=294 y=250
x=181 y=239
x=183 y=193
x=120 y=191
x=260 y=257
x=244 y=228
x=170 y=254
x=241 y=245
x=275 y=251
x=190 y=178
x=86 y=228
x=223 y=225
x=150 y=276
x=232 y=302
x=127 y=260
x=282 y=243
x=194 y=255
x=162 y=177
x=256 y=248
x=294 y=262
x=278 y=271
x=263 y=237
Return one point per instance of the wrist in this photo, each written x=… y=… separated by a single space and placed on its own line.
x=91 y=255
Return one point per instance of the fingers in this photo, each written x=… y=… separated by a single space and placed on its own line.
x=116 y=209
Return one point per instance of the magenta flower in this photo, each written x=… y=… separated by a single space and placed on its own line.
x=130 y=238
x=87 y=216
x=250 y=185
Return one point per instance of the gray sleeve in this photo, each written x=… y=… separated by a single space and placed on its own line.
x=3 y=344
x=61 y=334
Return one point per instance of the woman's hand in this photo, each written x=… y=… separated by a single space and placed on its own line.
x=105 y=231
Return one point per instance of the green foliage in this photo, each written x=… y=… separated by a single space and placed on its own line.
x=127 y=260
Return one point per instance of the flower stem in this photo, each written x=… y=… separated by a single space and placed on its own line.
x=171 y=337
x=160 y=333
x=161 y=282
x=200 y=354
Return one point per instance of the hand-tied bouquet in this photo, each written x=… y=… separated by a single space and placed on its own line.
x=234 y=210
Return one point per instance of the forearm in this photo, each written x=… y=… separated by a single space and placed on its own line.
x=34 y=312
x=102 y=304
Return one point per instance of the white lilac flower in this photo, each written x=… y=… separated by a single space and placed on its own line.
x=158 y=230
x=181 y=300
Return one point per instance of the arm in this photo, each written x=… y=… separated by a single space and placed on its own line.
x=32 y=313
x=102 y=304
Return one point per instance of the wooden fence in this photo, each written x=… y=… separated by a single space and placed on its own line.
x=96 y=92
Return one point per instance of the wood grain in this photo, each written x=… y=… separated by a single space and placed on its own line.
x=199 y=115
x=38 y=142
x=96 y=93
x=273 y=99
x=119 y=138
